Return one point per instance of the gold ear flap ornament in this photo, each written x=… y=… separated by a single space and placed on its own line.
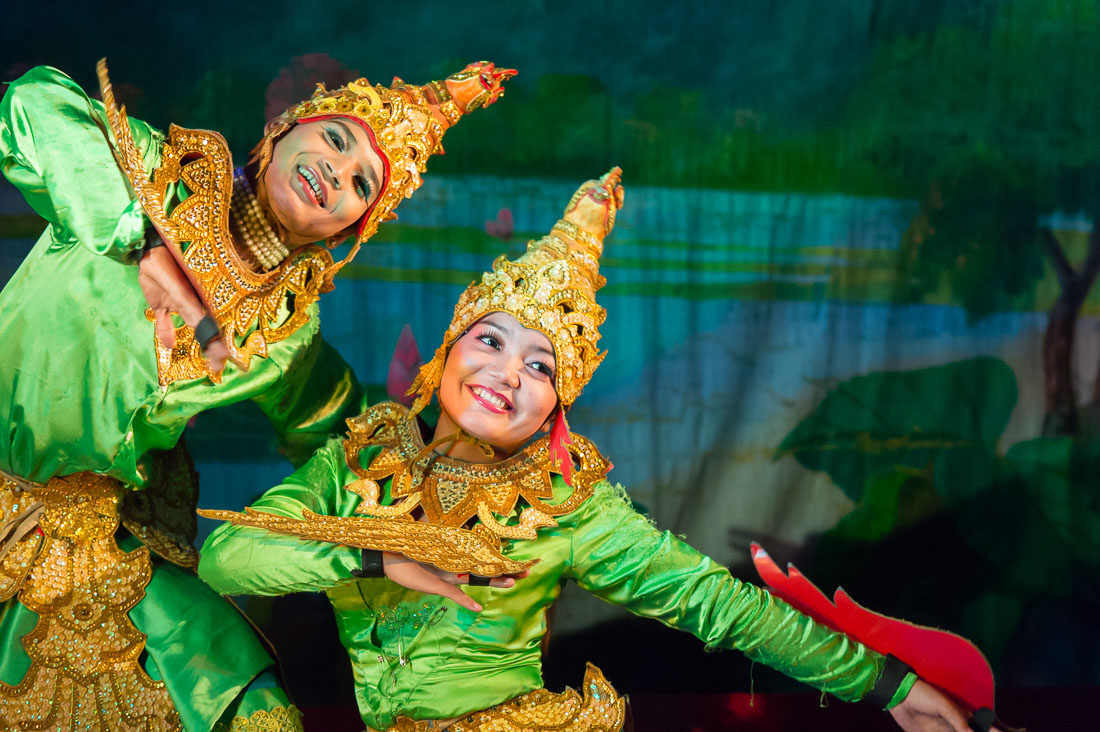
x=252 y=309
x=450 y=493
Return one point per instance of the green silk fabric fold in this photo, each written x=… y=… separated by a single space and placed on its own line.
x=427 y=658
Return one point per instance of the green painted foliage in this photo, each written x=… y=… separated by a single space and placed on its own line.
x=982 y=542
x=874 y=425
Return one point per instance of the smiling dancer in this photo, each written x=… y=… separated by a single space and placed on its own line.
x=96 y=634
x=521 y=346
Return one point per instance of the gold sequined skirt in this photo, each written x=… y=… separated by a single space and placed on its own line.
x=600 y=710
x=62 y=561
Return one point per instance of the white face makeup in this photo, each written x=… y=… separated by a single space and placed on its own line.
x=498 y=383
x=322 y=178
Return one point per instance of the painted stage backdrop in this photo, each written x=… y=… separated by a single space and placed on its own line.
x=852 y=301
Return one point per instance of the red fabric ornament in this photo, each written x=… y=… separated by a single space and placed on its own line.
x=559 y=453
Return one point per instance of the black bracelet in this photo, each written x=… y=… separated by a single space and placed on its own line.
x=983 y=719
x=476 y=580
x=893 y=673
x=206 y=330
x=152 y=241
x=372 y=565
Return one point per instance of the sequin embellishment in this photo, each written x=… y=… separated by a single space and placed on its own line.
x=601 y=710
x=85 y=671
x=252 y=309
x=451 y=492
x=277 y=719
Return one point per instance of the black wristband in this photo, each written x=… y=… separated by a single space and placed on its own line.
x=893 y=673
x=206 y=330
x=476 y=580
x=983 y=719
x=152 y=241
x=372 y=565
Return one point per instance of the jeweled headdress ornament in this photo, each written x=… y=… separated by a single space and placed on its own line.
x=550 y=288
x=405 y=124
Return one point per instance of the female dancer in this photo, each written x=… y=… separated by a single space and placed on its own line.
x=96 y=398
x=521 y=346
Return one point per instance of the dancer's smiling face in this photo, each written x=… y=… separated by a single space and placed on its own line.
x=323 y=177
x=498 y=384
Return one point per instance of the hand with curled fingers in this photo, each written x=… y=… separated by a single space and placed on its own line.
x=927 y=709
x=430 y=580
x=167 y=290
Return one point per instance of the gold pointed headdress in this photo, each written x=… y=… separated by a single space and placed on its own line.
x=405 y=124
x=550 y=288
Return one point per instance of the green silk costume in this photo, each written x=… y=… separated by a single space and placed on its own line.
x=427 y=658
x=79 y=387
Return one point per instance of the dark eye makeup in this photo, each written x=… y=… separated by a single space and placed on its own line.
x=340 y=144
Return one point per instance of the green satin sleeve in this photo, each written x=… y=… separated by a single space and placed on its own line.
x=52 y=146
x=317 y=393
x=239 y=560
x=619 y=556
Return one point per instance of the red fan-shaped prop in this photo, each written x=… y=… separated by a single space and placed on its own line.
x=949 y=661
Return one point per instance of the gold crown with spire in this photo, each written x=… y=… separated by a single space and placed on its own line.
x=550 y=288
x=405 y=122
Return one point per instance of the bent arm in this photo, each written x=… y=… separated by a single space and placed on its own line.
x=53 y=150
x=622 y=558
x=238 y=560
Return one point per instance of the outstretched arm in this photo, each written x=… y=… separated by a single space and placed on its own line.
x=622 y=558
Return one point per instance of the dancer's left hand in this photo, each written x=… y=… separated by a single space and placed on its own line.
x=927 y=709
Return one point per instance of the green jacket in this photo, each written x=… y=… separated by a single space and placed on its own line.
x=79 y=386
x=457 y=661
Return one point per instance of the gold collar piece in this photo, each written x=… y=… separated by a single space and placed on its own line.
x=452 y=492
x=252 y=309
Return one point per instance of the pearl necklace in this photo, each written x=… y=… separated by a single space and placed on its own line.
x=253 y=227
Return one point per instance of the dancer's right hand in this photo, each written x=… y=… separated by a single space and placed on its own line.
x=167 y=290
x=430 y=580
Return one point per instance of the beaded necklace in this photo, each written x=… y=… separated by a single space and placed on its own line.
x=252 y=225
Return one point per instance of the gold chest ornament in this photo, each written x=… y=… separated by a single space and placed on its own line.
x=451 y=493
x=252 y=309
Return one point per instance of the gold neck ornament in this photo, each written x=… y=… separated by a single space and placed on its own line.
x=452 y=492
